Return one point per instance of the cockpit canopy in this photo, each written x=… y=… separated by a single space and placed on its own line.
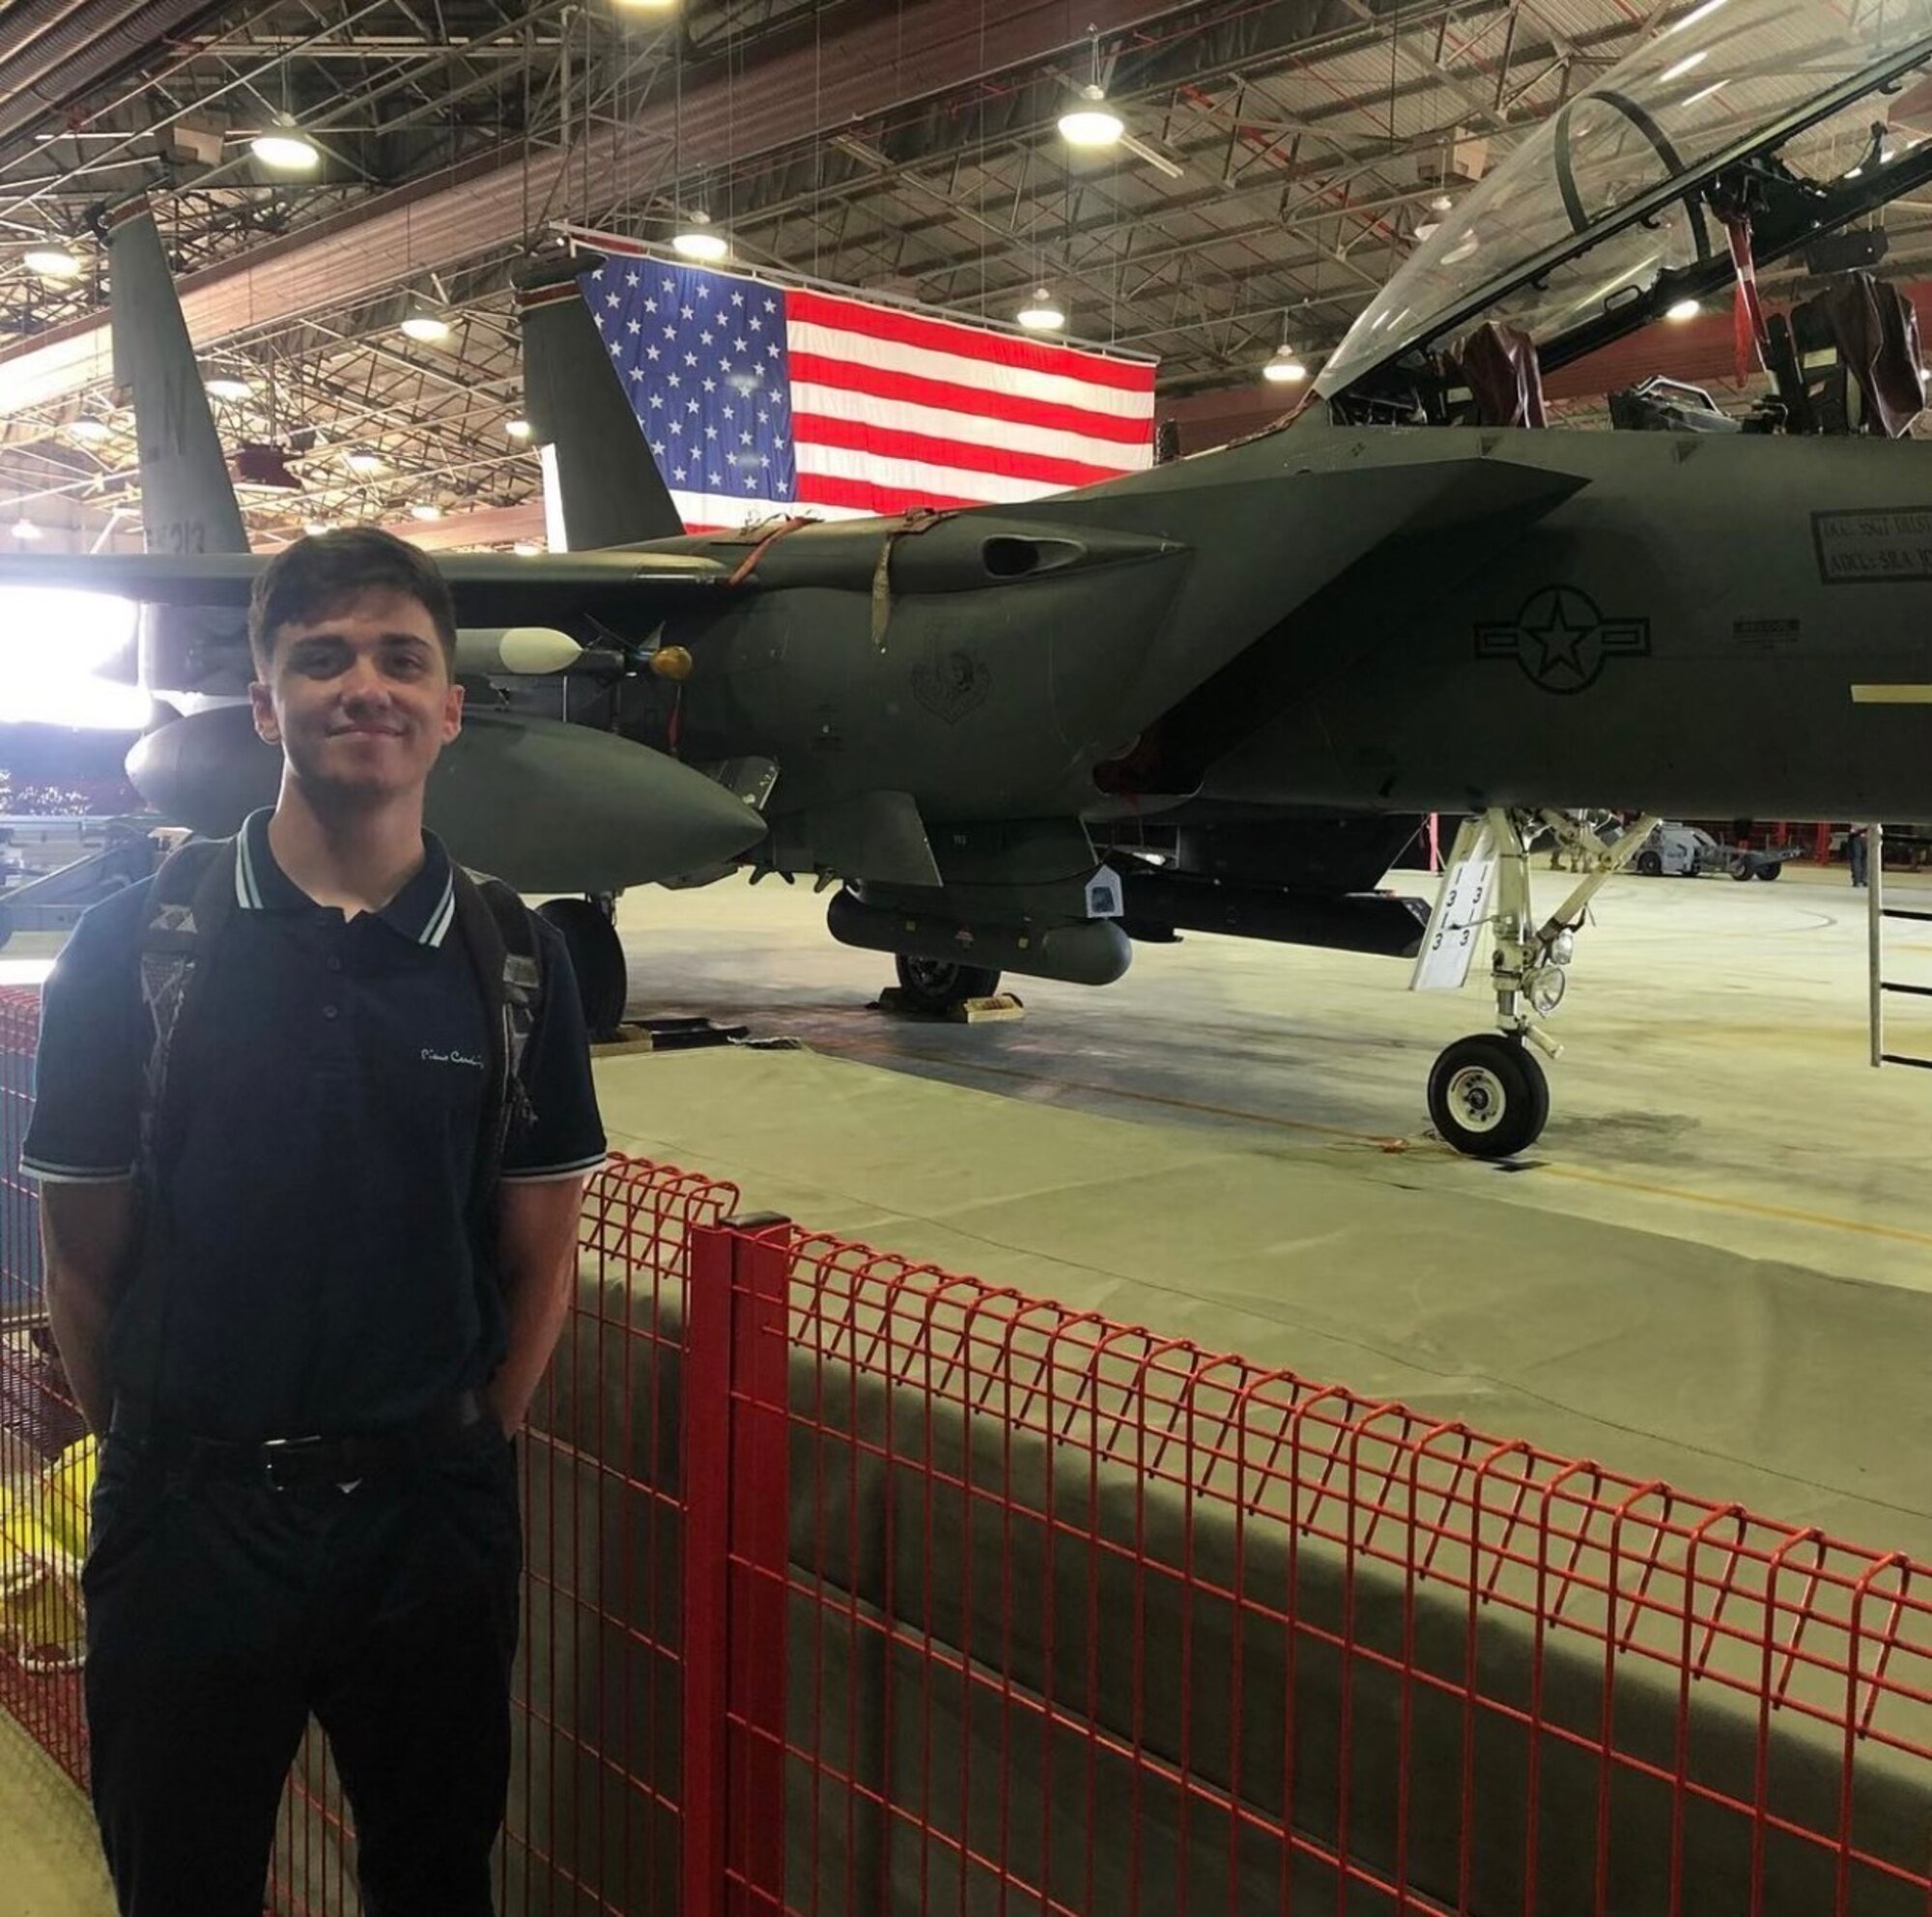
x=1596 y=202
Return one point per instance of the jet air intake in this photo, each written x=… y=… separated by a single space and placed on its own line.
x=1088 y=951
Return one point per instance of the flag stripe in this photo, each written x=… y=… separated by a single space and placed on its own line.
x=917 y=481
x=826 y=375
x=871 y=498
x=955 y=452
x=955 y=339
x=1016 y=382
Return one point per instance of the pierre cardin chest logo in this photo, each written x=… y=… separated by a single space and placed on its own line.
x=436 y=1055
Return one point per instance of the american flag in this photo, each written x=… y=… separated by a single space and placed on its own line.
x=759 y=398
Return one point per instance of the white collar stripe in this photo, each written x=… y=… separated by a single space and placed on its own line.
x=438 y=925
x=246 y=895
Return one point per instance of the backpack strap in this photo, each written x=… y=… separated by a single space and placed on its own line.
x=191 y=898
x=498 y=932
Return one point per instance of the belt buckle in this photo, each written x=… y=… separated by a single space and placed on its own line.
x=291 y=1453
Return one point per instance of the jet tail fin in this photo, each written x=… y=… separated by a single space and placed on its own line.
x=605 y=486
x=188 y=501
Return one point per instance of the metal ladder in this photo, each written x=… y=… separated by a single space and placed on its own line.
x=1878 y=913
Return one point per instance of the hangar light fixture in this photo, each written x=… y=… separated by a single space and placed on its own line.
x=701 y=242
x=286 y=151
x=1685 y=310
x=1092 y=123
x=314 y=528
x=1284 y=369
x=364 y=462
x=424 y=509
x=51 y=262
x=428 y=327
x=518 y=429
x=225 y=386
x=648 y=6
x=1042 y=313
x=25 y=529
x=527 y=549
x=92 y=431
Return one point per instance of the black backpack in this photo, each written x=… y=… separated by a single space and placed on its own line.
x=191 y=901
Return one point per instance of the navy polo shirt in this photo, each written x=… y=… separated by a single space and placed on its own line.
x=311 y=1260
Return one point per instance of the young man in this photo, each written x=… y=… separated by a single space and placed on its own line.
x=307 y=1284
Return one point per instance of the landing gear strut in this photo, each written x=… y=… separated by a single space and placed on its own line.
x=1489 y=1096
x=596 y=955
x=938 y=985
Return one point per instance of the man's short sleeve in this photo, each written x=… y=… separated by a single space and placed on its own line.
x=566 y=1139
x=86 y=1124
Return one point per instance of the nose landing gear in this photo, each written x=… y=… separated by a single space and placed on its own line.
x=1489 y=1096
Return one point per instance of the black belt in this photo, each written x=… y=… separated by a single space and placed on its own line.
x=316 y=1458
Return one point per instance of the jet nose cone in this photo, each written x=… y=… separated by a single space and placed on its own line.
x=544 y=806
x=555 y=808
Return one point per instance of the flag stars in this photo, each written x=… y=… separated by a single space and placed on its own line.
x=658 y=448
x=652 y=352
x=706 y=337
x=737 y=298
x=673 y=383
x=739 y=346
x=691 y=358
x=687 y=313
x=757 y=325
x=616 y=348
x=711 y=386
x=711 y=432
x=630 y=278
x=657 y=402
x=650 y=305
x=771 y=305
x=634 y=327
x=614 y=299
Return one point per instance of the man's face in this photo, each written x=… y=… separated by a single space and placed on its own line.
x=359 y=700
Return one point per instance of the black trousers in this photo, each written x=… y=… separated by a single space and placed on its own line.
x=222 y=1611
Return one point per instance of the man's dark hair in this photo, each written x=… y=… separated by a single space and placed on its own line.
x=315 y=576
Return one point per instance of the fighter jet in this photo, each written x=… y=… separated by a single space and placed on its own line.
x=1262 y=663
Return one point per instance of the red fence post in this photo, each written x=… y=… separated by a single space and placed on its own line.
x=737 y=1520
x=759 y=1553
x=705 y=1444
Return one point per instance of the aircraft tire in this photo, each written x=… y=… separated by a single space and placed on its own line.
x=1768 y=872
x=937 y=985
x=1489 y=1097
x=1741 y=869
x=596 y=957
x=1650 y=864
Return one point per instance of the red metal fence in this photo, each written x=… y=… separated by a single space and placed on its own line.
x=857 y=1586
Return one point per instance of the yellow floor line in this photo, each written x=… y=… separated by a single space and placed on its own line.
x=1785 y=1214
x=1749 y=1207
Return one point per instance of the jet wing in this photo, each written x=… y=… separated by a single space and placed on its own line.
x=489 y=589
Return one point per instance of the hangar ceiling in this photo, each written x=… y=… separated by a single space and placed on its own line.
x=1283 y=154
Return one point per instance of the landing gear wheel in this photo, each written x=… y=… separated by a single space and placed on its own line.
x=1741 y=869
x=938 y=985
x=596 y=957
x=1489 y=1097
x=1650 y=864
x=1768 y=872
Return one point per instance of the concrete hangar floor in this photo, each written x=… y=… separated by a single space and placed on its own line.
x=1717 y=1268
